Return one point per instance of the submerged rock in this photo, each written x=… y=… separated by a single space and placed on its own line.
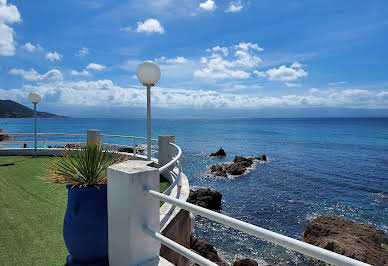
x=245 y=262
x=206 y=198
x=354 y=240
x=219 y=153
x=237 y=167
x=130 y=150
x=206 y=250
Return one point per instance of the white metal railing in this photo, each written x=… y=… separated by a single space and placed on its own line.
x=281 y=240
x=44 y=142
x=175 y=162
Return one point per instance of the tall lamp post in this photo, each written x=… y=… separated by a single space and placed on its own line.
x=148 y=73
x=35 y=98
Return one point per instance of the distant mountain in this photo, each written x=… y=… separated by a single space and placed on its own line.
x=11 y=109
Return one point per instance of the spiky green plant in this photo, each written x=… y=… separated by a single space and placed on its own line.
x=83 y=167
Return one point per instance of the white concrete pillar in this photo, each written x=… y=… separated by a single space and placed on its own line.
x=93 y=136
x=129 y=210
x=165 y=151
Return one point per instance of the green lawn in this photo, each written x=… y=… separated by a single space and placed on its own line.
x=31 y=213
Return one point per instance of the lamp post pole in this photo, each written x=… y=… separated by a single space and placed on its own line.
x=35 y=98
x=35 y=130
x=148 y=73
x=148 y=122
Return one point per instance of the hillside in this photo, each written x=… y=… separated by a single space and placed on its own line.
x=11 y=109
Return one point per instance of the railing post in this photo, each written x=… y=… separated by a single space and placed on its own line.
x=134 y=147
x=93 y=136
x=44 y=142
x=165 y=150
x=130 y=210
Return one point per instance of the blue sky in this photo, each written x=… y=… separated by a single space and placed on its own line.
x=217 y=57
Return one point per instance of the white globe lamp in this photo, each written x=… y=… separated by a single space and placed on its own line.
x=34 y=97
x=148 y=73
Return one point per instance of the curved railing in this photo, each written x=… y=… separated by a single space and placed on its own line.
x=177 y=163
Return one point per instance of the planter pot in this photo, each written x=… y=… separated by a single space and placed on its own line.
x=85 y=227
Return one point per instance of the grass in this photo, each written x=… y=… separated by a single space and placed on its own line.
x=31 y=213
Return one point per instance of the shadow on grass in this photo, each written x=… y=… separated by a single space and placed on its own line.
x=19 y=161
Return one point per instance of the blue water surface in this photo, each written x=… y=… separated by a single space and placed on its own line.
x=317 y=166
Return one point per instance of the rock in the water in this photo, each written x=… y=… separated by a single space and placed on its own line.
x=206 y=198
x=354 y=240
x=237 y=167
x=219 y=153
x=206 y=250
x=72 y=146
x=245 y=262
x=130 y=150
x=4 y=137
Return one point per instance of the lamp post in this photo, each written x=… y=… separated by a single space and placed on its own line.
x=35 y=98
x=148 y=73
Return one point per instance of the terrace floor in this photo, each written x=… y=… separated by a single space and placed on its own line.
x=31 y=213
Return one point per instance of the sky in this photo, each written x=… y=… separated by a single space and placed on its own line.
x=256 y=58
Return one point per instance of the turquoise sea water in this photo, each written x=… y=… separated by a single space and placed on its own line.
x=318 y=166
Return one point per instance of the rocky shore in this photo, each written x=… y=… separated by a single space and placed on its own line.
x=238 y=167
x=354 y=240
x=345 y=237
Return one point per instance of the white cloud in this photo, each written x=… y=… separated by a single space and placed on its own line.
x=103 y=92
x=247 y=45
x=9 y=14
x=53 y=56
x=150 y=26
x=224 y=50
x=96 y=67
x=284 y=73
x=221 y=64
x=235 y=6
x=177 y=60
x=79 y=73
x=289 y=84
x=33 y=75
x=296 y=65
x=31 y=47
x=208 y=5
x=82 y=52
x=337 y=83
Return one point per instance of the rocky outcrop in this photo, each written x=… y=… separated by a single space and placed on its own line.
x=245 y=262
x=72 y=146
x=206 y=198
x=206 y=250
x=219 y=153
x=238 y=167
x=130 y=150
x=4 y=137
x=354 y=240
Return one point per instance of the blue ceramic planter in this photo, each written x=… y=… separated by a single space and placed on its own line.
x=85 y=227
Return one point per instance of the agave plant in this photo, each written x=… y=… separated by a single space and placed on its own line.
x=83 y=167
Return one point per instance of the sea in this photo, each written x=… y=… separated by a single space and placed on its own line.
x=316 y=166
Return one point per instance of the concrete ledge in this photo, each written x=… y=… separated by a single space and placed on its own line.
x=175 y=223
